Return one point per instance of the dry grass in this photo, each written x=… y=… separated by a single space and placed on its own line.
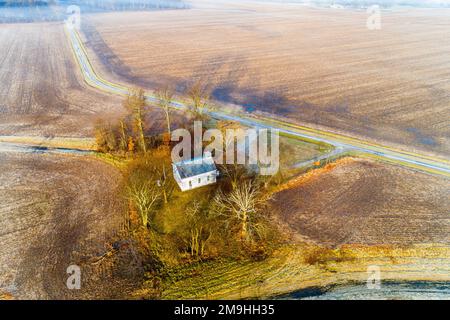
x=291 y=268
x=319 y=66
x=293 y=151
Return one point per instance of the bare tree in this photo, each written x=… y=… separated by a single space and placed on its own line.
x=123 y=139
x=234 y=172
x=166 y=184
x=243 y=205
x=145 y=196
x=135 y=104
x=199 y=95
x=100 y=134
x=199 y=233
x=165 y=97
x=105 y=137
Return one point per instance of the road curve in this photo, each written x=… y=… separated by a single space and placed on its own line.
x=407 y=159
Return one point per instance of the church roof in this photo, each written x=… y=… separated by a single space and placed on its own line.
x=195 y=167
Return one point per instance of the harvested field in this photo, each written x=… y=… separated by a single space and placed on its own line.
x=57 y=211
x=364 y=202
x=322 y=67
x=41 y=90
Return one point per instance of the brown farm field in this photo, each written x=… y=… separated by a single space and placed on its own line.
x=58 y=211
x=41 y=90
x=358 y=201
x=321 y=67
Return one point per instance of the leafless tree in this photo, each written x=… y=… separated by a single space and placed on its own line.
x=105 y=136
x=135 y=103
x=100 y=133
x=166 y=183
x=165 y=98
x=243 y=204
x=199 y=233
x=234 y=172
x=199 y=95
x=145 y=195
x=123 y=139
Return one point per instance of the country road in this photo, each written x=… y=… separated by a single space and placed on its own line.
x=407 y=159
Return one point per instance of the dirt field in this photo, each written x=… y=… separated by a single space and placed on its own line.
x=57 y=211
x=318 y=66
x=364 y=202
x=41 y=91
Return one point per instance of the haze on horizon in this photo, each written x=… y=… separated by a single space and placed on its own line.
x=178 y=3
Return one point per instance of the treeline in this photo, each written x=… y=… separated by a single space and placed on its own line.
x=121 y=5
x=174 y=229
x=101 y=4
x=226 y=220
x=381 y=3
x=129 y=135
x=19 y=11
x=26 y=3
x=171 y=230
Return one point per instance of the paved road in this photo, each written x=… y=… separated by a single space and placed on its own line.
x=408 y=159
x=333 y=153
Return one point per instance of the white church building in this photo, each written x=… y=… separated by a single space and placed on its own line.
x=194 y=173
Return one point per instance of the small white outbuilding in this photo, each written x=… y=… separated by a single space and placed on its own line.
x=194 y=173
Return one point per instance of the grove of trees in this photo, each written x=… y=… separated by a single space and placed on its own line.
x=224 y=220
